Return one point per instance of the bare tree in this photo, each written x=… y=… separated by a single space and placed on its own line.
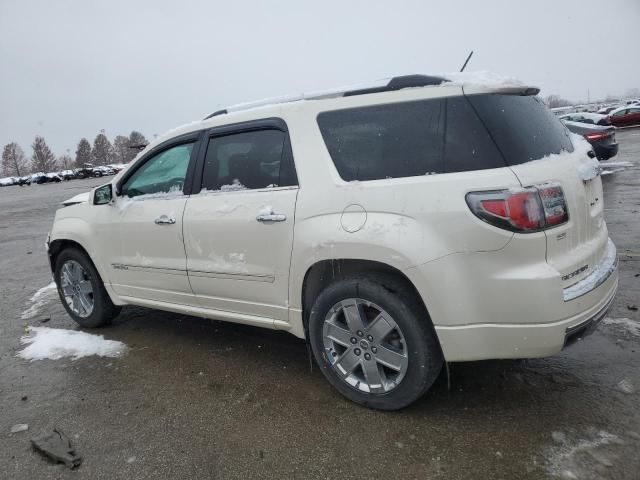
x=555 y=101
x=83 y=152
x=14 y=162
x=43 y=159
x=65 y=162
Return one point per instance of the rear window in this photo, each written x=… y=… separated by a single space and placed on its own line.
x=408 y=139
x=522 y=126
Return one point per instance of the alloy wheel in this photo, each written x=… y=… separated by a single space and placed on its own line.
x=76 y=286
x=365 y=346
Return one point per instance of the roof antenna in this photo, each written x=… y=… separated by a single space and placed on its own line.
x=466 y=61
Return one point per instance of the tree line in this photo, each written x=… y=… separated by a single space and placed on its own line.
x=123 y=149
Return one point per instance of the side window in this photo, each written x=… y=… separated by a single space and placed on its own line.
x=249 y=160
x=620 y=113
x=408 y=139
x=163 y=173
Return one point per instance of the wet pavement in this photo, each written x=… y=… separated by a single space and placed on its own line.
x=195 y=398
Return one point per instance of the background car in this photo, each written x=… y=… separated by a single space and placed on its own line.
x=7 y=181
x=86 y=171
x=39 y=177
x=104 y=170
x=53 y=177
x=586 y=117
x=606 y=110
x=625 y=116
x=117 y=167
x=22 y=181
x=67 y=175
x=601 y=138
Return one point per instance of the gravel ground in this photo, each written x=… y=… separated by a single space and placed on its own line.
x=194 y=398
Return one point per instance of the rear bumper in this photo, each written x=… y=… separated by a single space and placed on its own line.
x=487 y=306
x=604 y=152
x=491 y=341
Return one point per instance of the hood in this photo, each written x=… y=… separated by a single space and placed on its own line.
x=80 y=198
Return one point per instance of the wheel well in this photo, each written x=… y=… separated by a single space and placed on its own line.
x=58 y=246
x=320 y=275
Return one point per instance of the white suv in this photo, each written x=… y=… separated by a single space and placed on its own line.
x=394 y=227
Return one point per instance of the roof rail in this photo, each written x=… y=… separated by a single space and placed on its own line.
x=384 y=85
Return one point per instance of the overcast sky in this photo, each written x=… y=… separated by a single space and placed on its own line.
x=71 y=68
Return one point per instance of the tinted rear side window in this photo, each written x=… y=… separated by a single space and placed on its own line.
x=408 y=139
x=522 y=126
x=249 y=160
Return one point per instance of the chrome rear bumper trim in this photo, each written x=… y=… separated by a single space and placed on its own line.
x=600 y=274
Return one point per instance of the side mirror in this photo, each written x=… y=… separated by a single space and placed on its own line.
x=103 y=195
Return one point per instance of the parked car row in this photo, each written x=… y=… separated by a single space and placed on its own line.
x=86 y=171
x=598 y=128
x=618 y=114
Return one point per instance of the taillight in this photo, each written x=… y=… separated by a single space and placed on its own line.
x=596 y=136
x=521 y=209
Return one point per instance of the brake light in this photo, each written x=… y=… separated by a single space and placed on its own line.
x=596 y=136
x=521 y=209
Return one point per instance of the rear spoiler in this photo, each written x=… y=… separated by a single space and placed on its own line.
x=523 y=90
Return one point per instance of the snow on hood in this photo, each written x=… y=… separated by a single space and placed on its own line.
x=80 y=198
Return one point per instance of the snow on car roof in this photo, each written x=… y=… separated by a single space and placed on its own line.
x=617 y=109
x=472 y=82
x=479 y=79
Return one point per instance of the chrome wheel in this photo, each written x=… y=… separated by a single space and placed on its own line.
x=76 y=287
x=365 y=346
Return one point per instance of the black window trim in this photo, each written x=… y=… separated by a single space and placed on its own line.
x=271 y=123
x=191 y=137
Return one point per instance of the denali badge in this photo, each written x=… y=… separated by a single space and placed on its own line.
x=573 y=274
x=119 y=266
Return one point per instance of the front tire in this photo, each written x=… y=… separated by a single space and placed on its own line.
x=81 y=290
x=375 y=346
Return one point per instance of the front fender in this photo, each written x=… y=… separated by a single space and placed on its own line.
x=78 y=230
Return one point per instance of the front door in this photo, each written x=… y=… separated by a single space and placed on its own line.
x=149 y=261
x=239 y=229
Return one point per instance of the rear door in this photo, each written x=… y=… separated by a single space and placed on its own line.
x=540 y=149
x=239 y=228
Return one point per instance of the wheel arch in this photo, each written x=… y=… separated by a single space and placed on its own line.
x=324 y=272
x=60 y=244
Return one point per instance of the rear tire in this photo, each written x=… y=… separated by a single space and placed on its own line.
x=82 y=291
x=410 y=344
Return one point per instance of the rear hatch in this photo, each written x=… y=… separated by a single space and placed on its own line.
x=540 y=150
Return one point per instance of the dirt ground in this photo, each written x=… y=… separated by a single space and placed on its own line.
x=194 y=398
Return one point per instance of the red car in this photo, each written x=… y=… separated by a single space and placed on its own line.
x=625 y=116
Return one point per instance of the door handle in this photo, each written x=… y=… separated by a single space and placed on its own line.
x=271 y=217
x=164 y=220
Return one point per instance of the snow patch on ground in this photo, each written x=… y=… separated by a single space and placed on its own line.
x=608 y=168
x=627 y=324
x=39 y=300
x=56 y=343
x=574 y=458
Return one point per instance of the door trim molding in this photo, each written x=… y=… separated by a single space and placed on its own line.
x=232 y=276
